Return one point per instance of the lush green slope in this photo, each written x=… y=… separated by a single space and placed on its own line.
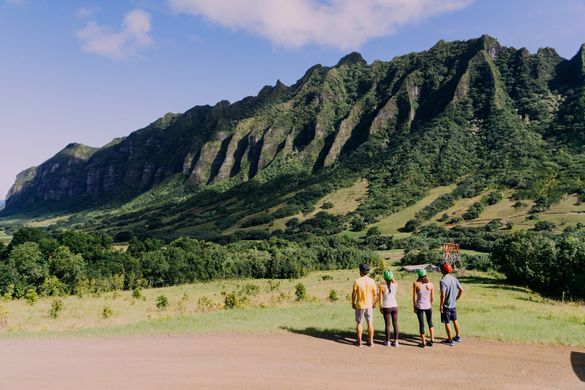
x=472 y=115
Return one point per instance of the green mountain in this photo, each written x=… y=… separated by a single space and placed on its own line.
x=471 y=114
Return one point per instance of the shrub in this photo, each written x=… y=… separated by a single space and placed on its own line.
x=31 y=296
x=233 y=300
x=56 y=308
x=107 y=312
x=206 y=304
x=300 y=292
x=162 y=302
x=545 y=226
x=137 y=293
x=327 y=205
x=333 y=297
x=250 y=289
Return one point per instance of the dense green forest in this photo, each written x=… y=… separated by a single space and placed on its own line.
x=75 y=262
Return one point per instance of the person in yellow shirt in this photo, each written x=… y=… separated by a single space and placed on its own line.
x=363 y=301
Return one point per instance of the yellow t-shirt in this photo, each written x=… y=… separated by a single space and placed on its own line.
x=365 y=292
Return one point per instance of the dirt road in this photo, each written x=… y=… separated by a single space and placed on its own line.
x=282 y=361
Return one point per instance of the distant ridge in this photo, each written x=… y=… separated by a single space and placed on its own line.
x=502 y=116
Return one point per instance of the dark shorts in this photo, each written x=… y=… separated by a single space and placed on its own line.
x=448 y=315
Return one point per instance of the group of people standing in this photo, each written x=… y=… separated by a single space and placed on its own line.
x=366 y=295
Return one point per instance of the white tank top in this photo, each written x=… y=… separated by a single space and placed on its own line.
x=389 y=296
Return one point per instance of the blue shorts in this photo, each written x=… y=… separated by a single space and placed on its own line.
x=448 y=315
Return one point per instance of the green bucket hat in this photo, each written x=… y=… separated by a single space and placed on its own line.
x=388 y=275
x=421 y=272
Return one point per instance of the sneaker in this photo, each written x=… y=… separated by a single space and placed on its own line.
x=457 y=339
x=430 y=343
x=448 y=342
x=386 y=343
x=422 y=345
x=394 y=344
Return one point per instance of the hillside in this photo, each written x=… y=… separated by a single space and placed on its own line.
x=459 y=121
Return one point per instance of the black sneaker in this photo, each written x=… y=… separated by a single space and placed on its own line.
x=448 y=342
x=457 y=339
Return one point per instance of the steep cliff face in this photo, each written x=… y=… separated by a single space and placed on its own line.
x=325 y=117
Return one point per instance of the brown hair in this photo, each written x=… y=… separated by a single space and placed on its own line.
x=423 y=279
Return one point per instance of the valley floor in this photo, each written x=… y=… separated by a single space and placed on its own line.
x=312 y=360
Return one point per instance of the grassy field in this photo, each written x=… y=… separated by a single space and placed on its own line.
x=393 y=222
x=489 y=309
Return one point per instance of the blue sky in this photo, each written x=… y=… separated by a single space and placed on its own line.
x=90 y=71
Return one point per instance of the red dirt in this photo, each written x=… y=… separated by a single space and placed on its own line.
x=280 y=362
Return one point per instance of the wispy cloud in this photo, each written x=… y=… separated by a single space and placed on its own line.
x=86 y=12
x=133 y=36
x=344 y=24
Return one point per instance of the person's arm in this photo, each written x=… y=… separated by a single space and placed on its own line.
x=380 y=292
x=354 y=295
x=374 y=295
x=432 y=293
x=442 y=303
x=459 y=293
x=414 y=296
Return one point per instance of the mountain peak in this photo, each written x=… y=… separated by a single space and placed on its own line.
x=353 y=58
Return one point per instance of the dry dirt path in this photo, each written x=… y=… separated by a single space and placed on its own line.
x=281 y=361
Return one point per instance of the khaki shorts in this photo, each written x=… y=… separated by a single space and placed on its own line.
x=361 y=313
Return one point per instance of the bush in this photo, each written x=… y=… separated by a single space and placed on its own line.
x=56 y=308
x=250 y=289
x=107 y=312
x=327 y=205
x=544 y=226
x=137 y=293
x=234 y=300
x=333 y=297
x=553 y=265
x=477 y=262
x=31 y=296
x=300 y=292
x=162 y=302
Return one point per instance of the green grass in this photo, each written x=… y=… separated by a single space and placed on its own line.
x=393 y=222
x=488 y=310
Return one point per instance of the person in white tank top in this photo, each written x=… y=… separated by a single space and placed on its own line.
x=389 y=306
x=423 y=294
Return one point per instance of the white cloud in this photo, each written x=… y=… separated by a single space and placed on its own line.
x=134 y=36
x=344 y=24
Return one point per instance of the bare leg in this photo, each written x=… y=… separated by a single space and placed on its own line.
x=448 y=330
x=456 y=325
x=359 y=334
x=371 y=334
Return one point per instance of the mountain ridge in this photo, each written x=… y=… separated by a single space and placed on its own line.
x=417 y=121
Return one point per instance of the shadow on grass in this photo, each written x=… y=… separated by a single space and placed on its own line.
x=349 y=337
x=480 y=280
x=578 y=364
x=509 y=288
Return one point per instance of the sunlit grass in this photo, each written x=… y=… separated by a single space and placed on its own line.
x=489 y=309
